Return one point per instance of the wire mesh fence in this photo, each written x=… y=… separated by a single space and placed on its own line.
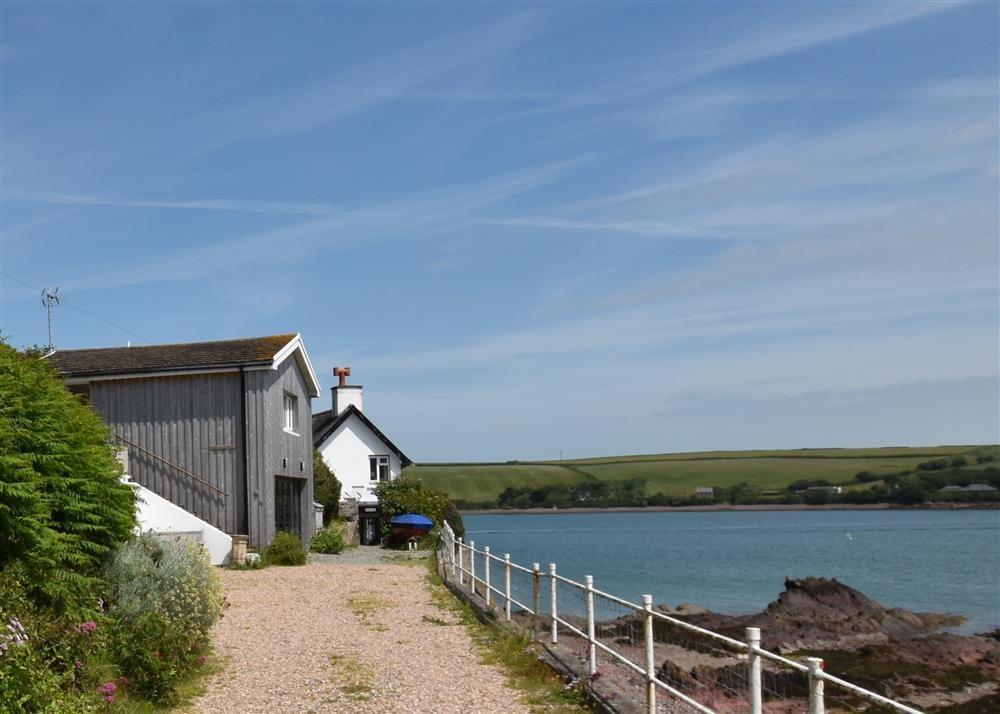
x=639 y=658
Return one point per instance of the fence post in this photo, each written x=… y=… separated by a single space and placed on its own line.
x=486 y=573
x=472 y=567
x=591 y=646
x=461 y=562
x=536 y=602
x=753 y=673
x=816 y=705
x=647 y=629
x=506 y=586
x=552 y=593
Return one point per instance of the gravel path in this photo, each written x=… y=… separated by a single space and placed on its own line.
x=333 y=637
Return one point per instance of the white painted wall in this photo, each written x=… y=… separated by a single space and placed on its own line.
x=346 y=452
x=345 y=396
x=159 y=515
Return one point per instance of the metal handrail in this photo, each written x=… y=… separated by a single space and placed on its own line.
x=174 y=466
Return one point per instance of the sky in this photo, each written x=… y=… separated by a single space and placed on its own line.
x=531 y=230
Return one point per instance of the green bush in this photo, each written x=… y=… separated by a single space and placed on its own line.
x=164 y=596
x=328 y=540
x=63 y=506
x=407 y=494
x=166 y=577
x=326 y=488
x=285 y=550
x=154 y=653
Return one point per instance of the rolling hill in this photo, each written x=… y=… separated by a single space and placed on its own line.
x=680 y=474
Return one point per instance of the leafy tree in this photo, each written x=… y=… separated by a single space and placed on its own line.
x=326 y=488
x=63 y=505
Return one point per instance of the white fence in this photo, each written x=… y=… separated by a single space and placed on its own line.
x=489 y=578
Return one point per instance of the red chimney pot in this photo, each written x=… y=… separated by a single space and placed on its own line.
x=343 y=373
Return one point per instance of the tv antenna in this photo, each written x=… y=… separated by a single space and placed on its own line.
x=50 y=297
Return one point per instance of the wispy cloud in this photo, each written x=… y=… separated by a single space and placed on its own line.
x=207 y=204
x=410 y=218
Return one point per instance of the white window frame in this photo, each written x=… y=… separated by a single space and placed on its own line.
x=290 y=413
x=379 y=460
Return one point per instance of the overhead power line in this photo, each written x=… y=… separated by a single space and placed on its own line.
x=76 y=307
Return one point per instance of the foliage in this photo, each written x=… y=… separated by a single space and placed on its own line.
x=286 y=549
x=172 y=578
x=63 y=506
x=328 y=540
x=409 y=495
x=326 y=488
x=155 y=653
x=592 y=493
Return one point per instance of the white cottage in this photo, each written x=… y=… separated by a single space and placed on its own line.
x=357 y=452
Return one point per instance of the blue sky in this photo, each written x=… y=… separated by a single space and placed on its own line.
x=530 y=228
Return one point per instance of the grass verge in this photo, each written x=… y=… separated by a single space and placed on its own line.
x=541 y=689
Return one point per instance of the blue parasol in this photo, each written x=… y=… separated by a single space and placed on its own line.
x=412 y=519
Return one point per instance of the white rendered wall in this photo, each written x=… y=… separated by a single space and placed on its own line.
x=159 y=515
x=346 y=452
x=345 y=396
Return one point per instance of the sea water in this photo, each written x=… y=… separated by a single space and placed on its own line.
x=737 y=561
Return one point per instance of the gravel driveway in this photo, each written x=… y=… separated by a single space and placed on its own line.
x=337 y=637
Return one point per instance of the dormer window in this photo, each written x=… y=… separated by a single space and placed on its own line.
x=291 y=408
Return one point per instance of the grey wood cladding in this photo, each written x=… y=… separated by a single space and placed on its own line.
x=196 y=422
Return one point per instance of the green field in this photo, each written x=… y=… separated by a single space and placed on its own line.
x=680 y=474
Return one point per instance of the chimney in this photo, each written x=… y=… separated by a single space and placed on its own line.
x=344 y=394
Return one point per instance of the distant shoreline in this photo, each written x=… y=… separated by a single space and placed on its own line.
x=945 y=506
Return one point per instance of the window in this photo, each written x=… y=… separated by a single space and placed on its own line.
x=291 y=404
x=378 y=468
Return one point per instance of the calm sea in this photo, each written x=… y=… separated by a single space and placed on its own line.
x=736 y=562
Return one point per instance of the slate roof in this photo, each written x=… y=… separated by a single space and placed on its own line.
x=160 y=358
x=324 y=424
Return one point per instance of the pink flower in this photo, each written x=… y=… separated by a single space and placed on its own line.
x=201 y=660
x=107 y=690
x=86 y=628
x=79 y=664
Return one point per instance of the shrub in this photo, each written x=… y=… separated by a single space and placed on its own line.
x=328 y=540
x=63 y=506
x=326 y=488
x=154 y=653
x=407 y=494
x=285 y=550
x=39 y=651
x=170 y=578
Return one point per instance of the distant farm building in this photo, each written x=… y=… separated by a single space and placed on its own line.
x=832 y=490
x=704 y=492
x=971 y=488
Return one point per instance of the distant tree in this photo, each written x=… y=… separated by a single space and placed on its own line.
x=865 y=477
x=959 y=461
x=934 y=465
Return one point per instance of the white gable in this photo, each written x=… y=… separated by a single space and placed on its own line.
x=347 y=453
